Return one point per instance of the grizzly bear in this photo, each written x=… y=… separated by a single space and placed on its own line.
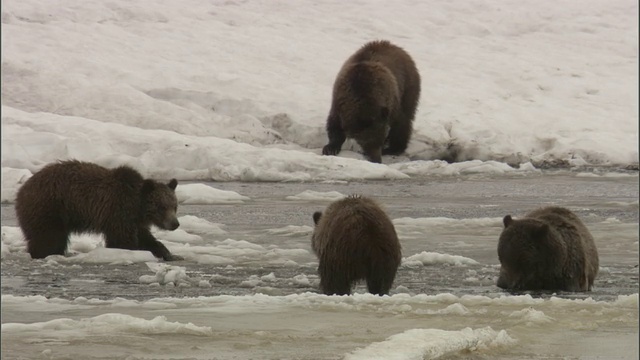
x=375 y=96
x=354 y=239
x=78 y=197
x=548 y=249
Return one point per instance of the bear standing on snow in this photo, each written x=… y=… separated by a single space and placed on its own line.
x=549 y=249
x=78 y=197
x=375 y=97
x=354 y=239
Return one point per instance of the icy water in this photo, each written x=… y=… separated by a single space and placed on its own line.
x=264 y=305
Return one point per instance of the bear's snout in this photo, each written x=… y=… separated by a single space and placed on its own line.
x=172 y=224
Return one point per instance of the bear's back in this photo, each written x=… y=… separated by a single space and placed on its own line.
x=568 y=224
x=577 y=238
x=367 y=79
x=56 y=180
x=393 y=57
x=582 y=253
x=64 y=178
x=79 y=191
x=355 y=222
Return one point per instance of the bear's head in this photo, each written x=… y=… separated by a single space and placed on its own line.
x=529 y=253
x=315 y=243
x=367 y=95
x=161 y=204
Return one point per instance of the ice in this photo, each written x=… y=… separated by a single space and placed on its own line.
x=431 y=258
x=105 y=325
x=204 y=194
x=317 y=196
x=419 y=344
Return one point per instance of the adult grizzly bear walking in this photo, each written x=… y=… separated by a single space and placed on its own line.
x=354 y=239
x=375 y=97
x=549 y=249
x=77 y=197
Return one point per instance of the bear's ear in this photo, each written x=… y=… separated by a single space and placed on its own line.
x=316 y=217
x=148 y=186
x=507 y=221
x=384 y=112
x=172 y=184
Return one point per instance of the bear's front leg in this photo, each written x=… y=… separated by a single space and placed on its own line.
x=123 y=237
x=150 y=243
x=336 y=135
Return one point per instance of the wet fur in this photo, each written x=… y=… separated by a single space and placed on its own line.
x=354 y=240
x=375 y=97
x=549 y=249
x=81 y=197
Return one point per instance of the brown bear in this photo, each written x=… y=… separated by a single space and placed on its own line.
x=78 y=197
x=375 y=96
x=354 y=239
x=549 y=249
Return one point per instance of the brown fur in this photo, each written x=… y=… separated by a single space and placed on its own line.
x=549 y=249
x=375 y=97
x=78 y=197
x=354 y=239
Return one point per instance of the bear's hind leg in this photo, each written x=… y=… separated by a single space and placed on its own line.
x=333 y=281
x=335 y=286
x=380 y=280
x=148 y=242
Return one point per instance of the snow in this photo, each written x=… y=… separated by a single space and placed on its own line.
x=453 y=309
x=317 y=196
x=292 y=230
x=301 y=280
x=368 y=302
x=435 y=222
x=419 y=344
x=194 y=224
x=13 y=179
x=5 y=249
x=531 y=316
x=431 y=258
x=89 y=248
x=105 y=256
x=167 y=274
x=105 y=325
x=208 y=320
x=240 y=91
x=12 y=240
x=413 y=343
x=439 y=167
x=189 y=194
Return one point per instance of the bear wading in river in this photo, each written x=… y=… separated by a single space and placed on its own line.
x=375 y=96
x=354 y=239
x=80 y=197
x=548 y=249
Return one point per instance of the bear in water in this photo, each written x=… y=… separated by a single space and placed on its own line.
x=77 y=197
x=548 y=249
x=354 y=239
x=375 y=96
